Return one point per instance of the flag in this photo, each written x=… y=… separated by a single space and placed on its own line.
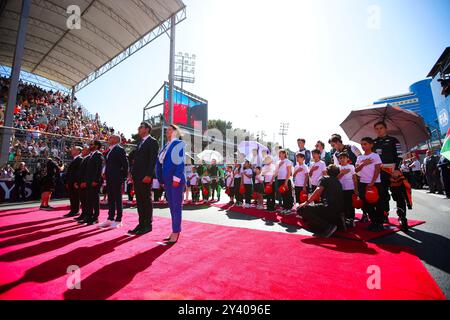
x=445 y=151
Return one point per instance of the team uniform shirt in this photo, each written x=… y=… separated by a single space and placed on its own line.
x=416 y=166
x=300 y=177
x=248 y=180
x=194 y=179
x=318 y=173
x=389 y=149
x=404 y=168
x=259 y=179
x=155 y=184
x=283 y=166
x=229 y=180
x=206 y=180
x=347 y=179
x=267 y=171
x=366 y=174
x=236 y=173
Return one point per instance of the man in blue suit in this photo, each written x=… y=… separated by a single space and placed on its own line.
x=170 y=173
x=142 y=172
x=116 y=171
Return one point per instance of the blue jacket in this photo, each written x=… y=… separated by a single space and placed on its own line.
x=172 y=168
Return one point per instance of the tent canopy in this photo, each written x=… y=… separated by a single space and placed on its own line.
x=69 y=56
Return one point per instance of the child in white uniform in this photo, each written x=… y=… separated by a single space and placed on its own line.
x=301 y=174
x=317 y=169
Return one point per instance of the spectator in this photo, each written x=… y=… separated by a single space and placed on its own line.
x=416 y=172
x=432 y=174
x=19 y=181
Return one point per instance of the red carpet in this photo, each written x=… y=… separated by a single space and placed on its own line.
x=163 y=204
x=209 y=262
x=357 y=233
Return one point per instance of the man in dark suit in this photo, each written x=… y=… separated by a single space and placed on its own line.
x=143 y=172
x=82 y=184
x=93 y=182
x=71 y=182
x=116 y=172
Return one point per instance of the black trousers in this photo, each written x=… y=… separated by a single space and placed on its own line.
x=115 y=200
x=20 y=191
x=129 y=188
x=446 y=180
x=74 y=197
x=270 y=198
x=298 y=191
x=319 y=218
x=237 y=186
x=434 y=182
x=288 y=199
x=195 y=193
x=384 y=190
x=144 y=204
x=375 y=211
x=248 y=193
x=397 y=194
x=83 y=201
x=157 y=193
x=93 y=202
x=348 y=204
x=214 y=188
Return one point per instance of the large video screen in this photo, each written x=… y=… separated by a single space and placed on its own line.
x=186 y=109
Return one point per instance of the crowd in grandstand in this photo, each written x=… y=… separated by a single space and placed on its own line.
x=41 y=117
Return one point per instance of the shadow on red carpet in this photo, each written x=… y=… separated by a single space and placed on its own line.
x=208 y=262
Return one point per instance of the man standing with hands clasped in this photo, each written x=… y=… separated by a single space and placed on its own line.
x=143 y=172
x=116 y=172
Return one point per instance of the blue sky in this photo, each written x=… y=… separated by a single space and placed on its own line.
x=262 y=62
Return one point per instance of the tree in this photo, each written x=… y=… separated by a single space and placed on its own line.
x=220 y=125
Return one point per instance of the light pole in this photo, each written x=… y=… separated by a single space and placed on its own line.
x=185 y=68
x=284 y=128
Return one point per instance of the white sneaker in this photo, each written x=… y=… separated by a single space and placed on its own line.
x=116 y=225
x=105 y=224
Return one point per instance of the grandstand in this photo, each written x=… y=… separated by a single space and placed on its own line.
x=44 y=39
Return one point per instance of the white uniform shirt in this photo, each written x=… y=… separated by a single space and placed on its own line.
x=259 y=179
x=237 y=173
x=347 y=179
x=206 y=179
x=300 y=177
x=318 y=173
x=366 y=174
x=248 y=180
x=229 y=179
x=194 y=179
x=283 y=166
x=268 y=170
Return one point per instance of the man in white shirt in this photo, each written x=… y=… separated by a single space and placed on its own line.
x=416 y=171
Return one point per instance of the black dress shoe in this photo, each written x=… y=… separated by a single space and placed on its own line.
x=143 y=231
x=70 y=215
x=134 y=230
x=91 y=222
x=80 y=218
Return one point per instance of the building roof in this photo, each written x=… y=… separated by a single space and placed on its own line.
x=443 y=64
x=109 y=28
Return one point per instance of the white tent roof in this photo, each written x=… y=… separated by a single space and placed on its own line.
x=108 y=28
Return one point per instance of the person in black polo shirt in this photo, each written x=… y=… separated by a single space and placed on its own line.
x=389 y=148
x=325 y=218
